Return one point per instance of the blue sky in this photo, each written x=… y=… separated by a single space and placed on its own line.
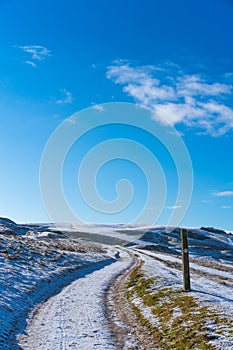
x=173 y=57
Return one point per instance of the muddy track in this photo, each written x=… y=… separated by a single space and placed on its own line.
x=127 y=331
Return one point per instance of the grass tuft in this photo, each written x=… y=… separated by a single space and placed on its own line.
x=182 y=323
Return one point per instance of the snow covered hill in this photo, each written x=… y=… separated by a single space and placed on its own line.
x=38 y=260
x=33 y=267
x=217 y=244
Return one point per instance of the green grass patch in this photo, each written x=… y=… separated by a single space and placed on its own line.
x=181 y=322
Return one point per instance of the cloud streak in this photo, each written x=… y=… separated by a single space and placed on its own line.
x=98 y=108
x=172 y=207
x=223 y=194
x=37 y=52
x=176 y=98
x=31 y=64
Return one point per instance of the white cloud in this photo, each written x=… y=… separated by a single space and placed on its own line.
x=176 y=98
x=193 y=85
x=174 y=207
x=177 y=112
x=123 y=73
x=223 y=194
x=31 y=64
x=67 y=97
x=71 y=120
x=98 y=108
x=36 y=52
x=226 y=206
x=148 y=93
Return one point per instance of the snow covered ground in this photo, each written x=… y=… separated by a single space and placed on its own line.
x=52 y=286
x=35 y=268
x=75 y=318
x=211 y=281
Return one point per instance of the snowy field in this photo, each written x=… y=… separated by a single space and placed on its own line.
x=34 y=267
x=53 y=281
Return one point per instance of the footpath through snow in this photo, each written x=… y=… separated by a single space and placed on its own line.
x=75 y=318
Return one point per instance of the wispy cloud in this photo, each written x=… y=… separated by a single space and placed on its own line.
x=206 y=201
x=71 y=120
x=175 y=97
x=193 y=85
x=98 y=108
x=67 y=97
x=37 y=52
x=223 y=193
x=226 y=206
x=31 y=64
x=174 y=207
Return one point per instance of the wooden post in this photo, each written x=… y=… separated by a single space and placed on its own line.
x=185 y=259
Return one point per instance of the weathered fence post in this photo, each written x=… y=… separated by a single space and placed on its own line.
x=185 y=259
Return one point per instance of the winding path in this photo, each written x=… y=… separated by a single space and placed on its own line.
x=75 y=318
